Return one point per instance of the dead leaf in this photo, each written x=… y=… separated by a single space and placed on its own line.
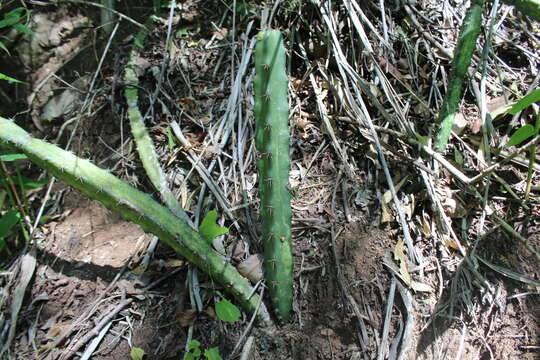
x=399 y=251
x=174 y=263
x=426 y=226
x=211 y=312
x=56 y=330
x=449 y=242
x=405 y=273
x=221 y=33
x=139 y=270
x=186 y=318
x=386 y=215
x=399 y=256
x=460 y=123
x=251 y=268
x=387 y=197
x=420 y=287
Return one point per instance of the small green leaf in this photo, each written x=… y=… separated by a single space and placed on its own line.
x=3 y=246
x=11 y=157
x=26 y=182
x=8 y=221
x=525 y=102
x=15 y=12
x=170 y=138
x=137 y=353
x=196 y=347
x=181 y=32
x=8 y=78
x=9 y=21
x=227 y=311
x=458 y=157
x=521 y=134
x=209 y=229
x=3 y=195
x=421 y=139
x=3 y=47
x=212 y=354
x=23 y=29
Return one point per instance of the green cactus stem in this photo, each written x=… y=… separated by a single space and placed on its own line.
x=272 y=142
x=470 y=29
x=134 y=206
x=145 y=146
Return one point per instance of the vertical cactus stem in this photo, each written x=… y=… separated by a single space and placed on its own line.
x=270 y=85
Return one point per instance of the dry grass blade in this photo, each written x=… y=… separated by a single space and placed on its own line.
x=349 y=75
x=27 y=267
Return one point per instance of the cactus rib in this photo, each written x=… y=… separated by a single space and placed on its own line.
x=272 y=142
x=133 y=205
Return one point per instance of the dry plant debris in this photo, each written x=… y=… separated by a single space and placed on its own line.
x=399 y=251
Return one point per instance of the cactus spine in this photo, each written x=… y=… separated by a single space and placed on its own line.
x=133 y=205
x=272 y=142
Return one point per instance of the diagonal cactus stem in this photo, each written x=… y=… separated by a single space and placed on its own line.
x=133 y=205
x=145 y=146
x=272 y=142
x=470 y=30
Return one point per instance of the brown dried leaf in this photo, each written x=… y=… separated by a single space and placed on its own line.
x=57 y=329
x=186 y=318
x=174 y=263
x=251 y=268
x=420 y=287
x=221 y=33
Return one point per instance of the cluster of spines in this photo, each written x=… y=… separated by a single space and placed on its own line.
x=272 y=142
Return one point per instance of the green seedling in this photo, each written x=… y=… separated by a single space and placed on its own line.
x=226 y=311
x=7 y=222
x=11 y=216
x=209 y=229
x=470 y=30
x=525 y=132
x=14 y=19
x=272 y=142
x=137 y=353
x=194 y=352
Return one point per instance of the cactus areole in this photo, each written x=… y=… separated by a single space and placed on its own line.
x=272 y=142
